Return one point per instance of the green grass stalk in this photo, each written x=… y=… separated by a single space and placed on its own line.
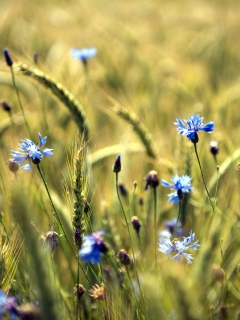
x=195 y=148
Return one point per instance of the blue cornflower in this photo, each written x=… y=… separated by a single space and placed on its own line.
x=180 y=185
x=167 y=247
x=8 y=306
x=194 y=124
x=83 y=54
x=93 y=247
x=31 y=153
x=173 y=227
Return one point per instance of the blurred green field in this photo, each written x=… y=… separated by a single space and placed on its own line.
x=160 y=60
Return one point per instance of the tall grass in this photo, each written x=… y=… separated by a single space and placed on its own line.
x=156 y=61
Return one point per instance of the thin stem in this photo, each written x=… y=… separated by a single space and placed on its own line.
x=19 y=101
x=135 y=269
x=195 y=148
x=77 y=305
x=155 y=224
x=179 y=211
x=216 y=191
x=59 y=221
x=56 y=213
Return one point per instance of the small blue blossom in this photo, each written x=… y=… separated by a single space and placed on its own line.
x=180 y=185
x=167 y=247
x=93 y=247
x=31 y=153
x=8 y=306
x=194 y=124
x=83 y=54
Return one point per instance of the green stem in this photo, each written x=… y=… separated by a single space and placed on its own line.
x=135 y=269
x=195 y=148
x=19 y=101
x=59 y=221
x=55 y=211
x=216 y=191
x=77 y=305
x=155 y=224
x=179 y=212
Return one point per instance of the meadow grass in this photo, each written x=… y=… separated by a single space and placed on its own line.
x=157 y=61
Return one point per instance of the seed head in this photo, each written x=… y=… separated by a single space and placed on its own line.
x=98 y=292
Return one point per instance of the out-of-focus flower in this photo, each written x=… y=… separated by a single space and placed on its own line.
x=152 y=180
x=117 y=166
x=93 y=247
x=51 y=239
x=79 y=290
x=8 y=306
x=31 y=153
x=214 y=147
x=12 y=166
x=178 y=247
x=5 y=105
x=180 y=185
x=124 y=258
x=194 y=124
x=173 y=227
x=8 y=59
x=83 y=54
x=122 y=189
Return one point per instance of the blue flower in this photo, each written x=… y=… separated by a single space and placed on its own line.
x=93 y=247
x=180 y=185
x=83 y=54
x=8 y=306
x=178 y=247
x=194 y=124
x=173 y=227
x=31 y=153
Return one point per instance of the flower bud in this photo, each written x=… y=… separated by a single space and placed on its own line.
x=214 y=147
x=79 y=290
x=218 y=273
x=7 y=58
x=117 y=164
x=4 y=104
x=124 y=258
x=123 y=190
x=152 y=179
x=136 y=224
x=13 y=166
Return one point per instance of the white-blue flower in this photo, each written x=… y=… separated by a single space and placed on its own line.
x=194 y=124
x=83 y=54
x=180 y=185
x=31 y=153
x=178 y=247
